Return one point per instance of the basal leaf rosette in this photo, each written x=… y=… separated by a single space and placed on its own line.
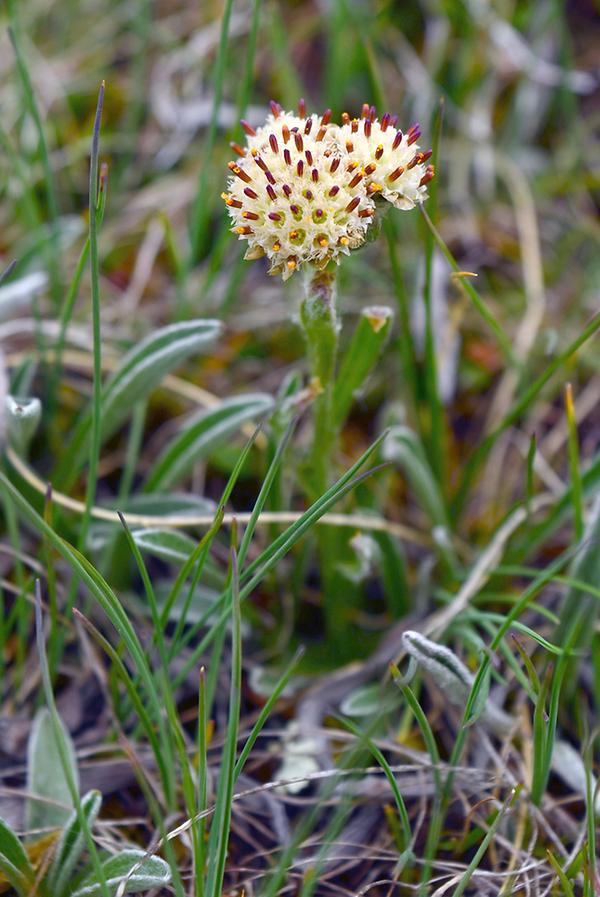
x=304 y=189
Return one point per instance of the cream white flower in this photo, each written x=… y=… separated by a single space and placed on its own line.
x=391 y=162
x=303 y=189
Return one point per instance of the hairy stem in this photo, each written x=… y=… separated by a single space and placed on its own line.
x=319 y=321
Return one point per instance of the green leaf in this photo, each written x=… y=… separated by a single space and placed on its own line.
x=169 y=504
x=199 y=606
x=367 y=342
x=480 y=699
x=167 y=544
x=580 y=610
x=143 y=368
x=368 y=700
x=71 y=844
x=203 y=433
x=138 y=374
x=50 y=803
x=14 y=862
x=146 y=872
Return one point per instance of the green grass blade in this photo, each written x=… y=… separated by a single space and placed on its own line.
x=69 y=768
x=219 y=834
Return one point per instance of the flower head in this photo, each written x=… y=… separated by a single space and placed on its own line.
x=304 y=189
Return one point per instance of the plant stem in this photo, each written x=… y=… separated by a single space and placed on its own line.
x=319 y=321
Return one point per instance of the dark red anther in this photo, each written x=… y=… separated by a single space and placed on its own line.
x=349 y=146
x=251 y=216
x=315 y=175
x=428 y=176
x=320 y=134
x=239 y=172
x=271 y=192
x=379 y=151
x=356 y=179
x=416 y=159
x=335 y=164
x=326 y=117
x=309 y=157
x=396 y=173
x=309 y=194
x=237 y=148
x=287 y=190
x=249 y=192
x=334 y=190
x=414 y=133
x=247 y=127
x=274 y=216
x=287 y=156
x=300 y=167
x=318 y=213
x=353 y=204
x=294 y=209
x=427 y=155
x=285 y=133
x=275 y=108
x=273 y=142
x=366 y=213
x=372 y=113
x=299 y=142
x=367 y=126
x=385 y=120
x=261 y=164
x=308 y=126
x=394 y=121
x=301 y=108
x=269 y=177
x=397 y=140
x=354 y=125
x=370 y=168
x=365 y=110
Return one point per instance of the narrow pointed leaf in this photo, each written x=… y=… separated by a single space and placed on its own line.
x=14 y=863
x=202 y=435
x=167 y=544
x=143 y=368
x=71 y=844
x=46 y=778
x=365 y=347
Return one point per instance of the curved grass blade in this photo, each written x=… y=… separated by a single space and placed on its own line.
x=72 y=844
x=202 y=435
x=139 y=373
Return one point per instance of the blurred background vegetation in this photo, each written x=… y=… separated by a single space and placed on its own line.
x=472 y=378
